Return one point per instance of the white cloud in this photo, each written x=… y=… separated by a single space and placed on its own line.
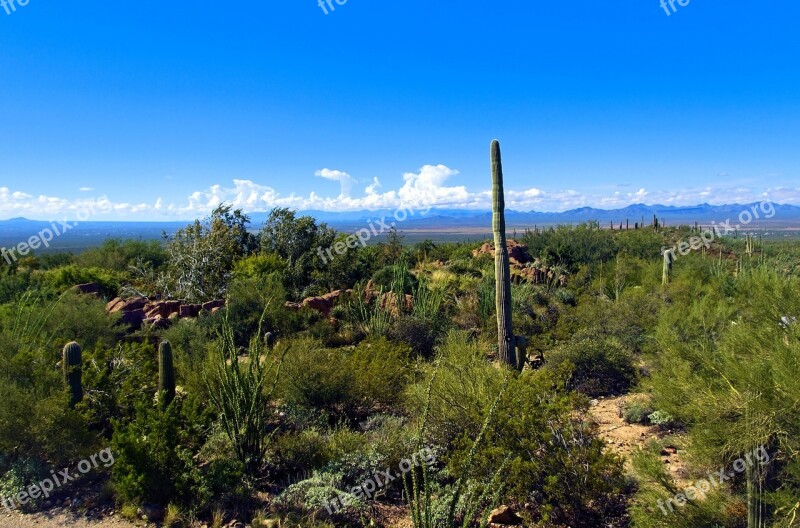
x=431 y=186
x=86 y=189
x=345 y=180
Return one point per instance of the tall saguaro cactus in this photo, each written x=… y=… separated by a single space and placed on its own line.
x=166 y=372
x=507 y=341
x=72 y=365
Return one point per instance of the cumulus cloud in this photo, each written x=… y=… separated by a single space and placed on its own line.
x=430 y=186
x=345 y=180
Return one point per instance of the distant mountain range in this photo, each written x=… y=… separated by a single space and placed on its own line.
x=452 y=222
x=756 y=215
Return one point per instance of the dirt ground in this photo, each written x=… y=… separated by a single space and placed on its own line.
x=61 y=517
x=625 y=439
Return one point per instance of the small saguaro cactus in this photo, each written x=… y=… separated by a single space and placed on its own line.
x=166 y=373
x=511 y=349
x=72 y=365
x=666 y=276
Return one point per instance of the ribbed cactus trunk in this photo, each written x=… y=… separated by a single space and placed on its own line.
x=506 y=349
x=72 y=365
x=166 y=373
x=666 y=276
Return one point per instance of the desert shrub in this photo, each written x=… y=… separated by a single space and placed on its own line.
x=344 y=383
x=419 y=334
x=313 y=497
x=63 y=278
x=599 y=365
x=14 y=283
x=566 y=296
x=540 y=437
x=18 y=476
x=81 y=318
x=637 y=410
x=396 y=277
x=120 y=255
x=380 y=370
x=155 y=460
x=466 y=267
x=727 y=370
x=571 y=246
x=660 y=418
x=256 y=301
x=300 y=452
x=35 y=419
x=316 y=378
x=259 y=266
x=650 y=508
x=190 y=340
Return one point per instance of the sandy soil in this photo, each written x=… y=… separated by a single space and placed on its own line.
x=60 y=517
x=624 y=438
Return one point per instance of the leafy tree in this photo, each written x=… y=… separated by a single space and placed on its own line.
x=301 y=242
x=202 y=255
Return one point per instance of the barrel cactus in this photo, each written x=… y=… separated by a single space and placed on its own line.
x=72 y=365
x=166 y=372
x=508 y=346
x=269 y=340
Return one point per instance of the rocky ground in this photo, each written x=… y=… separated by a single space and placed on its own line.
x=625 y=439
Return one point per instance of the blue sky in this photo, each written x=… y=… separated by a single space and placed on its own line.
x=161 y=110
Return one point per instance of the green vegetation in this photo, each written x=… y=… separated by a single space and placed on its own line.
x=319 y=374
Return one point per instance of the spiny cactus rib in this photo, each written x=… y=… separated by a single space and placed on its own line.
x=506 y=340
x=166 y=372
x=72 y=365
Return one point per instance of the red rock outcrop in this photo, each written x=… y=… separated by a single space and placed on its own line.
x=517 y=253
x=138 y=311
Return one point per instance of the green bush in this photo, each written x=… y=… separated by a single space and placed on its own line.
x=540 y=438
x=600 y=365
x=155 y=460
x=18 y=476
x=63 y=278
x=419 y=334
x=637 y=411
x=395 y=277
x=345 y=383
